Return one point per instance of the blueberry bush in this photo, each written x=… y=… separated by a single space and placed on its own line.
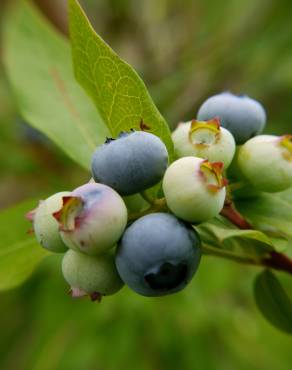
x=203 y=192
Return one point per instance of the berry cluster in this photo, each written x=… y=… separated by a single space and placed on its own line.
x=111 y=236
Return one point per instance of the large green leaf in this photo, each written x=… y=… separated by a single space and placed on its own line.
x=272 y=301
x=118 y=92
x=19 y=252
x=39 y=67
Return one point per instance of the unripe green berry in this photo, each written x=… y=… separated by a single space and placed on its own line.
x=266 y=162
x=204 y=139
x=45 y=226
x=92 y=218
x=194 y=189
x=95 y=276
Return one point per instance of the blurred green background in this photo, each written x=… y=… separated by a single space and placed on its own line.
x=185 y=51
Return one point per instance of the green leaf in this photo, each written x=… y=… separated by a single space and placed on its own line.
x=19 y=252
x=118 y=92
x=221 y=234
x=273 y=302
x=286 y=195
x=39 y=66
x=270 y=213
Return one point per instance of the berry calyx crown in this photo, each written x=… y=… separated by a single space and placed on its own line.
x=68 y=215
x=286 y=142
x=197 y=127
x=216 y=169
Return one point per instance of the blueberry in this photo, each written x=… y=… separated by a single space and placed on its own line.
x=204 y=139
x=95 y=276
x=242 y=116
x=266 y=162
x=194 y=189
x=92 y=218
x=45 y=226
x=158 y=255
x=131 y=163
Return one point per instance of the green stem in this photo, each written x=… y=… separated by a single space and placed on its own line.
x=158 y=205
x=236 y=186
x=212 y=251
x=146 y=197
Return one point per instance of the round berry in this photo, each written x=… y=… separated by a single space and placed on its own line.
x=242 y=116
x=45 y=226
x=266 y=162
x=92 y=218
x=194 y=189
x=95 y=276
x=204 y=139
x=158 y=255
x=133 y=162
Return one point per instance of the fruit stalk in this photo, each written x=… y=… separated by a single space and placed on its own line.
x=231 y=213
x=275 y=260
x=158 y=205
x=278 y=261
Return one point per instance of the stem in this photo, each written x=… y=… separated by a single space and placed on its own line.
x=231 y=213
x=274 y=260
x=146 y=197
x=228 y=255
x=278 y=261
x=158 y=205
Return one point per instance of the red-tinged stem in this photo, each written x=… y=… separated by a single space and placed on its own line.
x=231 y=213
x=278 y=261
x=274 y=260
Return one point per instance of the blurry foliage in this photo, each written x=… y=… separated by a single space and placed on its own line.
x=185 y=52
x=210 y=325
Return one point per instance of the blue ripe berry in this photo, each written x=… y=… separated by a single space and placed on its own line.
x=242 y=116
x=92 y=218
x=133 y=162
x=158 y=255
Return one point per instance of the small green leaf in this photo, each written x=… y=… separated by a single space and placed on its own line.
x=221 y=234
x=272 y=301
x=118 y=92
x=286 y=195
x=39 y=67
x=19 y=252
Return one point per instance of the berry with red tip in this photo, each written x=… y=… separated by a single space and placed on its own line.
x=194 y=189
x=92 y=218
x=204 y=139
x=266 y=162
x=45 y=226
